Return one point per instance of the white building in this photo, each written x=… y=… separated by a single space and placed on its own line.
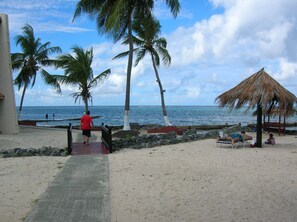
x=8 y=116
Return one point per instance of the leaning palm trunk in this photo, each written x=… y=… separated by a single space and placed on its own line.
x=128 y=81
x=167 y=123
x=23 y=96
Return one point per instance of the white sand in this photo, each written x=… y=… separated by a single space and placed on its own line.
x=195 y=181
x=198 y=181
x=22 y=181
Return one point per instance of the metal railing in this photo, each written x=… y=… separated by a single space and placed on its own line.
x=69 y=139
x=106 y=136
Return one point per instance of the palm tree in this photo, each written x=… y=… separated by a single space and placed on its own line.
x=78 y=71
x=33 y=57
x=115 y=17
x=149 y=42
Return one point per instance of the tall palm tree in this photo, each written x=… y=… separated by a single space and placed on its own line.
x=33 y=57
x=148 y=41
x=78 y=71
x=115 y=17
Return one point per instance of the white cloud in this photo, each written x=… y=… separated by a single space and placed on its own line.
x=161 y=10
x=272 y=42
x=246 y=30
x=43 y=15
x=288 y=70
x=39 y=95
x=68 y=89
x=185 y=46
x=103 y=54
x=141 y=84
x=68 y=29
x=101 y=49
x=114 y=84
x=248 y=34
x=193 y=92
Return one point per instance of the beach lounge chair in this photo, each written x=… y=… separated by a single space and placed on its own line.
x=227 y=143
x=236 y=140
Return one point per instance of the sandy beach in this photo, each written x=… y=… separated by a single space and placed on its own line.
x=196 y=181
x=199 y=181
x=22 y=181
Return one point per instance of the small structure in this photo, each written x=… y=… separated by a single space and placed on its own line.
x=8 y=117
x=273 y=126
x=261 y=91
x=275 y=121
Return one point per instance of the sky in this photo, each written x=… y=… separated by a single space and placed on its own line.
x=214 y=45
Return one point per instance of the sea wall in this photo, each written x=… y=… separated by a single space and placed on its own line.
x=44 y=151
x=148 y=141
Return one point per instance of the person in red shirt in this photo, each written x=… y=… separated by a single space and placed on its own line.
x=85 y=124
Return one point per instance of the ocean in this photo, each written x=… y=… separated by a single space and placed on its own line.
x=114 y=115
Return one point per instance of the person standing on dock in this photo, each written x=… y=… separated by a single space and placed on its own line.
x=85 y=124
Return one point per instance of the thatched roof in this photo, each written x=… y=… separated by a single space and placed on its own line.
x=1 y=96
x=260 y=88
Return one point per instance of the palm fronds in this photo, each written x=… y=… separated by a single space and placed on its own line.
x=33 y=57
x=78 y=71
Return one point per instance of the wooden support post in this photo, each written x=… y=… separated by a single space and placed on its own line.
x=259 y=126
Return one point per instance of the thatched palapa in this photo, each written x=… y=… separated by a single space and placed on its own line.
x=262 y=91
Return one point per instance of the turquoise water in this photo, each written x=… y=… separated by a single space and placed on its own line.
x=114 y=115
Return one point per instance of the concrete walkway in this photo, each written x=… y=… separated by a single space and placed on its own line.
x=80 y=192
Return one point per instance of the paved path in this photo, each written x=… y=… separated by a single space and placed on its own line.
x=79 y=193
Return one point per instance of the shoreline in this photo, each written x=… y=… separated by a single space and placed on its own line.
x=146 y=126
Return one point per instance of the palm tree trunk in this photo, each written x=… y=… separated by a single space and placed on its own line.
x=86 y=105
x=128 y=81
x=167 y=123
x=23 y=96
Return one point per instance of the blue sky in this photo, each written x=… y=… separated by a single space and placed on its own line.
x=214 y=45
